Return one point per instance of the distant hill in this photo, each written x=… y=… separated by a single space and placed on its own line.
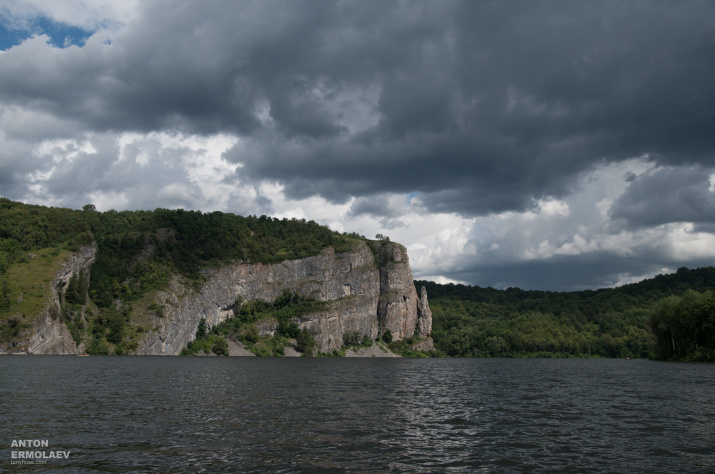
x=470 y=321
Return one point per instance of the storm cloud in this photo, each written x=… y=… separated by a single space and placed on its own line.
x=668 y=195
x=380 y=115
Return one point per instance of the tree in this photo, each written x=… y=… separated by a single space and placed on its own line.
x=201 y=330
x=116 y=328
x=305 y=342
x=220 y=347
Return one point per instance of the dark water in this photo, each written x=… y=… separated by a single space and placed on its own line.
x=171 y=414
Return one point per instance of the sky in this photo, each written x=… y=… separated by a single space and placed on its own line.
x=552 y=145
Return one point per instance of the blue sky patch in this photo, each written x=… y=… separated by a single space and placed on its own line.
x=61 y=34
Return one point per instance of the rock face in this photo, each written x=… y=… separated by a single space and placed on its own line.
x=51 y=335
x=397 y=307
x=362 y=294
x=424 y=321
x=363 y=291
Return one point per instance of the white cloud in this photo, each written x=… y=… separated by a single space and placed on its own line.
x=395 y=122
x=181 y=170
x=553 y=208
x=86 y=14
x=442 y=280
x=105 y=201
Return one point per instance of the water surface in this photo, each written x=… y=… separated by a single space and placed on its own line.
x=210 y=414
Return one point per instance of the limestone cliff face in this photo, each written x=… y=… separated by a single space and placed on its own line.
x=361 y=294
x=50 y=335
x=397 y=307
x=362 y=291
x=424 y=315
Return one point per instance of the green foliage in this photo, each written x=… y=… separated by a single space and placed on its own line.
x=261 y=351
x=250 y=335
x=242 y=327
x=98 y=347
x=11 y=328
x=685 y=327
x=387 y=336
x=196 y=346
x=354 y=339
x=305 y=343
x=140 y=251
x=25 y=227
x=76 y=329
x=4 y=296
x=287 y=306
x=201 y=330
x=404 y=348
x=469 y=321
x=206 y=342
x=116 y=328
x=288 y=329
x=220 y=346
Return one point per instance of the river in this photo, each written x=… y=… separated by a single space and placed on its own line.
x=211 y=414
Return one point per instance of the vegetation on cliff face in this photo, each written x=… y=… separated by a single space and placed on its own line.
x=138 y=252
x=243 y=327
x=666 y=317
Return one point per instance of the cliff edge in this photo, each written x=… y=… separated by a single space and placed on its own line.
x=365 y=290
x=368 y=290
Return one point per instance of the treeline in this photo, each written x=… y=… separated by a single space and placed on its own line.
x=685 y=327
x=25 y=227
x=140 y=250
x=470 y=321
x=137 y=252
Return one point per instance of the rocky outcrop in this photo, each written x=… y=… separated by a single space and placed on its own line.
x=50 y=335
x=424 y=315
x=397 y=308
x=362 y=292
x=77 y=264
x=365 y=291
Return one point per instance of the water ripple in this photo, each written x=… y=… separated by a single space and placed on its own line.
x=145 y=414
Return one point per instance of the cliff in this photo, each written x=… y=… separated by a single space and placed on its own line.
x=49 y=333
x=363 y=293
x=367 y=290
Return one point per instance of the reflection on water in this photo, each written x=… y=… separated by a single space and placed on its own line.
x=330 y=415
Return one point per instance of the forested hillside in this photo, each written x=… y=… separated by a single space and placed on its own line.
x=629 y=321
x=137 y=253
x=668 y=317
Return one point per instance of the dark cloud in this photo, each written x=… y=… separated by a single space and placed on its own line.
x=377 y=206
x=569 y=273
x=559 y=108
x=668 y=195
x=479 y=106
